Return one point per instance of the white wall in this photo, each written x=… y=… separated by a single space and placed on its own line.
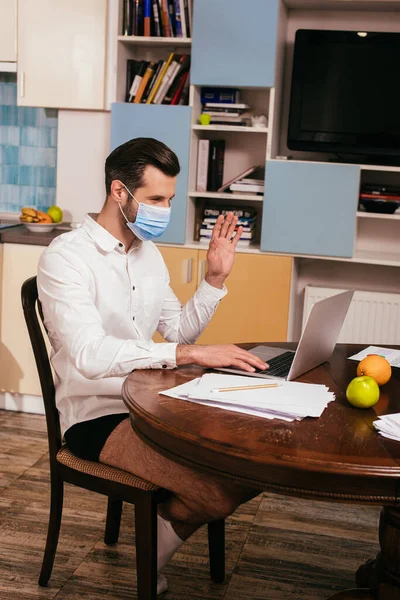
x=83 y=145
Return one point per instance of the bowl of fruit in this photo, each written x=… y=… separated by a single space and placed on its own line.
x=38 y=221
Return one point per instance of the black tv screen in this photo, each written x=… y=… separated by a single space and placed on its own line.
x=345 y=95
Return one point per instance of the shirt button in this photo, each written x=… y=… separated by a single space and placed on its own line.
x=133 y=287
x=133 y=318
x=164 y=366
x=120 y=245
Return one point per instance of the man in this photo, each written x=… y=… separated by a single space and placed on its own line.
x=105 y=290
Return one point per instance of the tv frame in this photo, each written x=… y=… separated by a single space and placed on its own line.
x=376 y=145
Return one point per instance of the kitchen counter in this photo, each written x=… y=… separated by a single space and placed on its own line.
x=20 y=235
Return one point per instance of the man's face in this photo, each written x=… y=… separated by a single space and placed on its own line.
x=157 y=190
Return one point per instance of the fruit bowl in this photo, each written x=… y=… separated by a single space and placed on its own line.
x=40 y=227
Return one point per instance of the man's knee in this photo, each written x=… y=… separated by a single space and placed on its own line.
x=219 y=504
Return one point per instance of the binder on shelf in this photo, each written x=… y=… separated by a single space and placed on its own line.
x=166 y=82
x=215 y=165
x=137 y=79
x=145 y=80
x=188 y=17
x=172 y=17
x=152 y=83
x=139 y=18
x=219 y=95
x=180 y=66
x=202 y=165
x=183 y=84
x=156 y=18
x=147 y=17
x=160 y=78
x=132 y=68
x=165 y=18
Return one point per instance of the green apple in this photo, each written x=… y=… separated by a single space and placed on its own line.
x=55 y=213
x=363 y=392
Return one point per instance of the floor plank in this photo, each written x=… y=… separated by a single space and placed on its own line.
x=277 y=548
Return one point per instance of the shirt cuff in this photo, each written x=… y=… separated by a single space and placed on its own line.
x=164 y=356
x=209 y=293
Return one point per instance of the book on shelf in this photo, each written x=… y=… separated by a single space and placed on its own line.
x=144 y=82
x=202 y=165
x=137 y=71
x=241 y=242
x=247 y=188
x=158 y=18
x=161 y=82
x=219 y=95
x=210 y=165
x=247 y=219
x=245 y=173
x=222 y=113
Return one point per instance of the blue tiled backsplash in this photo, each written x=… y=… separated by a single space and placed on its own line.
x=28 y=152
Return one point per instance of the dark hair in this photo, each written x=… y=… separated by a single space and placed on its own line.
x=129 y=161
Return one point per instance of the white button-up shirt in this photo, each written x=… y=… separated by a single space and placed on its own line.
x=101 y=308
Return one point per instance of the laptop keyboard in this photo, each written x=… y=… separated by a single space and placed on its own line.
x=279 y=366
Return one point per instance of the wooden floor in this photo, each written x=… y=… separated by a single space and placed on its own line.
x=277 y=548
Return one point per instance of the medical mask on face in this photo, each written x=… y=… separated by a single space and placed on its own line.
x=151 y=221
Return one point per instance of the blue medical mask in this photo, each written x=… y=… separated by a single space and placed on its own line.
x=151 y=221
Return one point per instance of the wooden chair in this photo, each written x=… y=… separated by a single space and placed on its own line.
x=119 y=486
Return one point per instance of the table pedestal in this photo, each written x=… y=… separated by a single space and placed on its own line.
x=380 y=578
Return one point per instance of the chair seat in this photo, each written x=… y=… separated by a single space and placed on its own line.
x=97 y=469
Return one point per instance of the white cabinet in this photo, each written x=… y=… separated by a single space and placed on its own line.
x=18 y=370
x=62 y=53
x=8 y=30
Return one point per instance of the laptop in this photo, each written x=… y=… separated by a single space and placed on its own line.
x=316 y=344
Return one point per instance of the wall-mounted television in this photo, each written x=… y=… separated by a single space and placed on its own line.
x=345 y=94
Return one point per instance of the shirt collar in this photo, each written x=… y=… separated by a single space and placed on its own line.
x=99 y=235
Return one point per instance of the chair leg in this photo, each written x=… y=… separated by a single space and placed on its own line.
x=113 y=522
x=216 y=547
x=56 y=505
x=146 y=546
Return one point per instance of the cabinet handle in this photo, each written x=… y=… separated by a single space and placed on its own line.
x=189 y=270
x=202 y=269
x=22 y=84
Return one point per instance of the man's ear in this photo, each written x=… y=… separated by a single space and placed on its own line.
x=118 y=192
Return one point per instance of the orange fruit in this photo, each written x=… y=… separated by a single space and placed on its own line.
x=375 y=366
x=43 y=217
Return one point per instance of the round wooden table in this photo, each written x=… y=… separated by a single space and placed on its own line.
x=338 y=457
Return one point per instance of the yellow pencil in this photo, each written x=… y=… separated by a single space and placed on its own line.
x=247 y=387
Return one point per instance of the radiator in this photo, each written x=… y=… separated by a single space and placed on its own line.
x=373 y=318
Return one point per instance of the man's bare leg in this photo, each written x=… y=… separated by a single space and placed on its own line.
x=196 y=498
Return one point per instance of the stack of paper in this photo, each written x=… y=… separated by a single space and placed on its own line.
x=389 y=426
x=391 y=355
x=287 y=401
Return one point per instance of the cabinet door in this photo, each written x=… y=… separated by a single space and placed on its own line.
x=171 y=125
x=8 y=30
x=310 y=208
x=256 y=308
x=182 y=267
x=61 y=53
x=234 y=42
x=18 y=370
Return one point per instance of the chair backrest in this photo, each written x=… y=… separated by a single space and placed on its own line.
x=31 y=306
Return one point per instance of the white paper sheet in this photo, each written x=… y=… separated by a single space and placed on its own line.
x=391 y=355
x=289 y=401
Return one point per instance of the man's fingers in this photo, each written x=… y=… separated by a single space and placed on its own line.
x=231 y=227
x=237 y=236
x=252 y=359
x=226 y=224
x=217 y=228
x=239 y=364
